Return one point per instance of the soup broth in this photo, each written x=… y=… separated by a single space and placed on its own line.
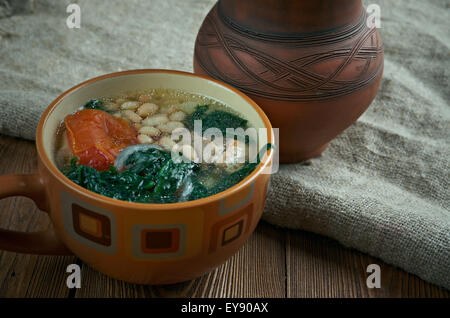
x=147 y=147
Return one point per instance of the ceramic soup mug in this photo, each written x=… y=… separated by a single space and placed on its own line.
x=188 y=238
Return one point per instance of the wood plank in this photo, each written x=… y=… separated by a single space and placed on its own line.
x=26 y=275
x=320 y=267
x=274 y=262
x=258 y=264
x=97 y=285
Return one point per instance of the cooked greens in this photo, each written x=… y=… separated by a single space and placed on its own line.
x=151 y=176
x=130 y=159
x=215 y=119
x=197 y=114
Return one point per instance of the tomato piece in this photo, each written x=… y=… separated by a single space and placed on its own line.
x=97 y=137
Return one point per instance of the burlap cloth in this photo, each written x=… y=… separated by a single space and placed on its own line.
x=381 y=187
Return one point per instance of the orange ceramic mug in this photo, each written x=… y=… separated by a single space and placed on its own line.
x=113 y=236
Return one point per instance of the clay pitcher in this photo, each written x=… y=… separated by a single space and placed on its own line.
x=314 y=66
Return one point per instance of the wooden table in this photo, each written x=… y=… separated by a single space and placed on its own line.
x=274 y=262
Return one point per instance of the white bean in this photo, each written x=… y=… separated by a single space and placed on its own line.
x=170 y=126
x=147 y=109
x=167 y=143
x=172 y=109
x=130 y=105
x=168 y=109
x=121 y=100
x=177 y=116
x=132 y=116
x=144 y=139
x=181 y=135
x=149 y=130
x=111 y=106
x=164 y=110
x=155 y=120
x=187 y=107
x=212 y=152
x=144 y=98
x=235 y=153
x=236 y=150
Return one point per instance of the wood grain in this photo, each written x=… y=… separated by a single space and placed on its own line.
x=26 y=275
x=274 y=262
x=321 y=267
x=260 y=263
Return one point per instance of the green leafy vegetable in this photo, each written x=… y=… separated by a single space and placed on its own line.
x=170 y=180
x=197 y=114
x=223 y=120
x=234 y=178
x=95 y=104
x=215 y=119
x=151 y=176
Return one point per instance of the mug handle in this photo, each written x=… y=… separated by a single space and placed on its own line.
x=42 y=243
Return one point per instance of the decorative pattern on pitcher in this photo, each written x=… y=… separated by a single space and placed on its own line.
x=312 y=76
x=319 y=38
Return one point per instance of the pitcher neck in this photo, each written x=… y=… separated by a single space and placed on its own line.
x=291 y=17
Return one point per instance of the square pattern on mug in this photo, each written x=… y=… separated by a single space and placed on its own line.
x=233 y=232
x=231 y=228
x=90 y=225
x=160 y=240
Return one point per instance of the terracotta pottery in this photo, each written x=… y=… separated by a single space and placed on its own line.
x=137 y=242
x=313 y=66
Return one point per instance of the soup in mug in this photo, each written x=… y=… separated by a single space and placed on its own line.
x=151 y=147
